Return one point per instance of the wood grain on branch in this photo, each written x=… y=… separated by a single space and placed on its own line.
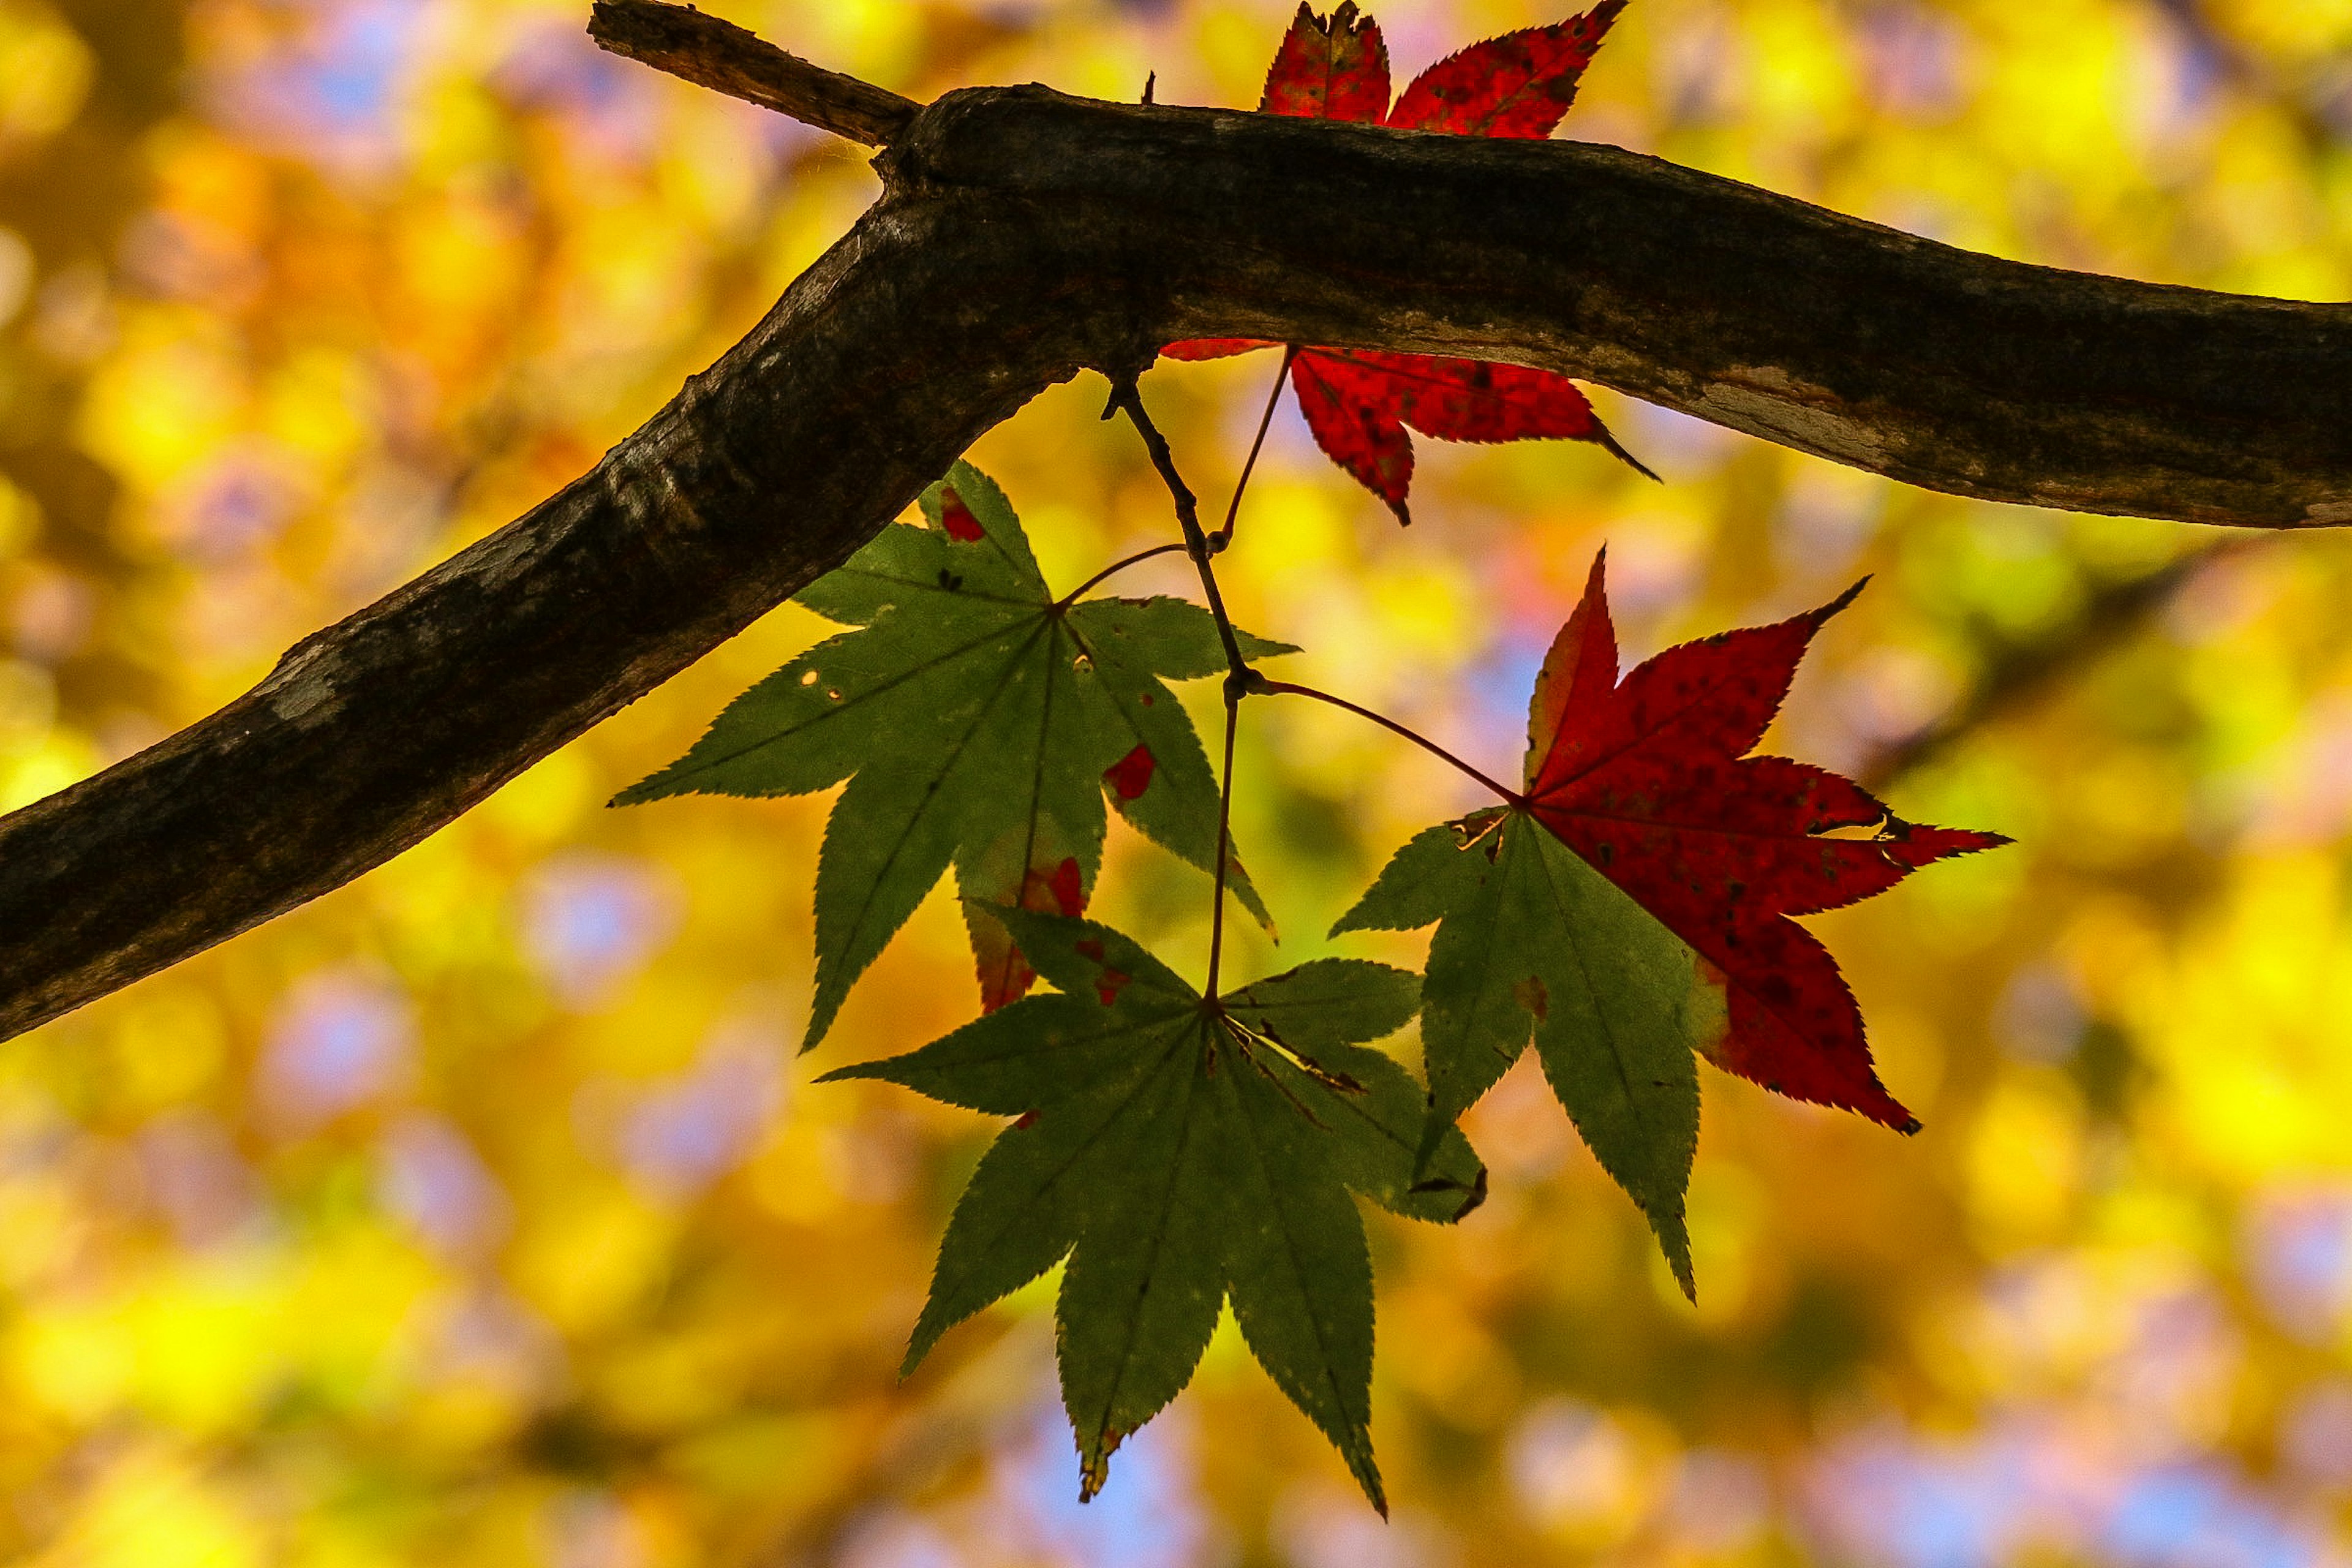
x=1023 y=235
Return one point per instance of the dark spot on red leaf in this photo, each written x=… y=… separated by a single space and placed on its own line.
x=1131 y=775
x=1650 y=779
x=1334 y=68
x=957 y=519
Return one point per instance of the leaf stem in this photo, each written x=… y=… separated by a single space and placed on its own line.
x=1126 y=399
x=1511 y=795
x=1121 y=564
x=1223 y=537
x=1224 y=844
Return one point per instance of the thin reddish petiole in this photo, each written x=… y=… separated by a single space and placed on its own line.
x=1225 y=536
x=1224 y=845
x=1423 y=741
x=1066 y=600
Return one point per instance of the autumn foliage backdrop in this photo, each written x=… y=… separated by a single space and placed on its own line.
x=480 y=1213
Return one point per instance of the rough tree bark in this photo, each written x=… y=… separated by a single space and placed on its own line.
x=1022 y=237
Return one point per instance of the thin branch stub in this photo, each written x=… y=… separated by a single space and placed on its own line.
x=727 y=58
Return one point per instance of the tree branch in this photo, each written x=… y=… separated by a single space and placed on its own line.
x=727 y=58
x=1023 y=235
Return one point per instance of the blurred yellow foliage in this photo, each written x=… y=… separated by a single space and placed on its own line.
x=482 y=1213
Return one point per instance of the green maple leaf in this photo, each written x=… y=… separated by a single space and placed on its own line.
x=1181 y=1152
x=1532 y=942
x=981 y=722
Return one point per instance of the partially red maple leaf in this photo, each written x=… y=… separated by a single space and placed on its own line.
x=1359 y=401
x=1051 y=883
x=1648 y=780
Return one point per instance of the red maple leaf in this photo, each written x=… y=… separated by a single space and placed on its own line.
x=1648 y=779
x=1359 y=401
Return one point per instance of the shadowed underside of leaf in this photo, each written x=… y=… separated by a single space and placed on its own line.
x=1532 y=943
x=1180 y=1155
x=981 y=724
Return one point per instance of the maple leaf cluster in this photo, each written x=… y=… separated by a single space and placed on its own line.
x=1359 y=401
x=1627 y=911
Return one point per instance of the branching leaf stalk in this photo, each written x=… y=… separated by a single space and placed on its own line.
x=1224 y=843
x=1510 y=796
x=1126 y=399
x=1121 y=564
x=1223 y=537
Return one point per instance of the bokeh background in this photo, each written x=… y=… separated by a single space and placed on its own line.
x=482 y=1213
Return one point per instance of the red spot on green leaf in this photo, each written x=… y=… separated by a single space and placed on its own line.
x=1131 y=775
x=1110 y=982
x=1005 y=974
x=1532 y=994
x=1068 y=893
x=957 y=519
